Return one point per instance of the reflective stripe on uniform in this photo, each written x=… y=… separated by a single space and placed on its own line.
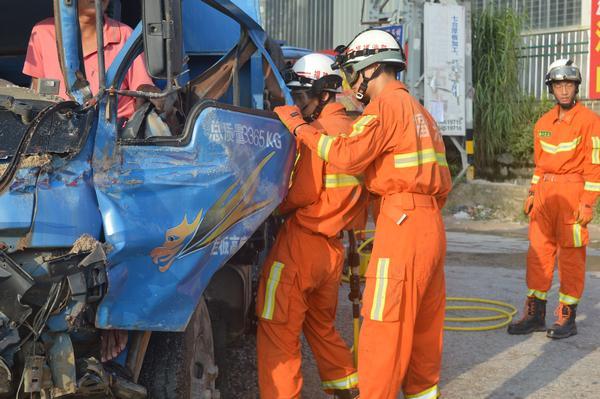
x=577 y=242
x=560 y=147
x=341 y=383
x=567 y=299
x=341 y=180
x=538 y=294
x=324 y=146
x=271 y=290
x=359 y=126
x=381 y=282
x=596 y=150
x=430 y=393
x=535 y=179
x=591 y=186
x=419 y=158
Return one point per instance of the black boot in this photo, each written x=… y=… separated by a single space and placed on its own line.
x=565 y=325
x=534 y=318
x=345 y=394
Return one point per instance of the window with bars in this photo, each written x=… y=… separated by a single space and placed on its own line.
x=540 y=14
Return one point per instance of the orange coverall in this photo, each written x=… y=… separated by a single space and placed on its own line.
x=397 y=145
x=567 y=173
x=298 y=289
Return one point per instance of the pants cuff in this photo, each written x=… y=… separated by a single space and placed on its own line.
x=567 y=299
x=431 y=393
x=542 y=295
x=347 y=382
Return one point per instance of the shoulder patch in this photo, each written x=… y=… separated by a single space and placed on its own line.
x=359 y=126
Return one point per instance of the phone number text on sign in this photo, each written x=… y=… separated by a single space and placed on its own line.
x=226 y=132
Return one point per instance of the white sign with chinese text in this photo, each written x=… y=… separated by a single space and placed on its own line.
x=445 y=66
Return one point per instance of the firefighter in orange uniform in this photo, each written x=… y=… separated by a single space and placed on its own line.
x=398 y=148
x=564 y=188
x=298 y=290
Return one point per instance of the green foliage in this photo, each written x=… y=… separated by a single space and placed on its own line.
x=496 y=42
x=521 y=137
x=504 y=115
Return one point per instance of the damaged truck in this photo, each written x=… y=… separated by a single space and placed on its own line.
x=144 y=225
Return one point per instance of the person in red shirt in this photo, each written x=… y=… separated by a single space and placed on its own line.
x=560 y=204
x=42 y=61
x=398 y=148
x=298 y=289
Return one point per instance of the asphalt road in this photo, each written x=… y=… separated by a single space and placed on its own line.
x=493 y=364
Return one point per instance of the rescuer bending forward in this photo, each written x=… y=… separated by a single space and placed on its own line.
x=298 y=289
x=398 y=148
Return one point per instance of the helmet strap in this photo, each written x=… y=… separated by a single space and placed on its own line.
x=362 y=89
x=322 y=103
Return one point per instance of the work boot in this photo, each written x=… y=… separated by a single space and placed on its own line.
x=345 y=394
x=534 y=318
x=565 y=323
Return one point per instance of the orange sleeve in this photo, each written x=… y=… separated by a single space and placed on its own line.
x=350 y=153
x=591 y=167
x=306 y=181
x=538 y=172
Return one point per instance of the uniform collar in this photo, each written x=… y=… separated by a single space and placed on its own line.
x=112 y=34
x=395 y=85
x=332 y=109
x=569 y=115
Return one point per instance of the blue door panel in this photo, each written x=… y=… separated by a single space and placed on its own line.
x=174 y=215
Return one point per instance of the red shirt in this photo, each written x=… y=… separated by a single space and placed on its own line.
x=42 y=60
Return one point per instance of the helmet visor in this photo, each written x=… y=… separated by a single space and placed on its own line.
x=565 y=72
x=350 y=74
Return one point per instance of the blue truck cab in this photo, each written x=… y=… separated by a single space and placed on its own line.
x=137 y=225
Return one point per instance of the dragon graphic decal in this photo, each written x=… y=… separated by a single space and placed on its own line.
x=234 y=205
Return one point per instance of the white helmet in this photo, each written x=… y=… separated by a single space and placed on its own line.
x=372 y=46
x=563 y=69
x=313 y=71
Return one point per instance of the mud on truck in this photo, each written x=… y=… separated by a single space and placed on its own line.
x=137 y=225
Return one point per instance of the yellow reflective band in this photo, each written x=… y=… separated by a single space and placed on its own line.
x=596 y=150
x=272 y=283
x=567 y=299
x=535 y=179
x=324 y=146
x=341 y=383
x=591 y=186
x=381 y=282
x=561 y=147
x=292 y=174
x=538 y=294
x=469 y=147
x=431 y=393
x=359 y=125
x=419 y=158
x=341 y=180
x=577 y=242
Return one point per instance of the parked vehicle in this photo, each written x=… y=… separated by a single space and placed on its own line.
x=139 y=226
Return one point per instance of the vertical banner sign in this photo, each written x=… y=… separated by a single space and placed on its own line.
x=594 y=86
x=445 y=66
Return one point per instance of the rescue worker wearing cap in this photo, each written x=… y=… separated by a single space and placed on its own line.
x=298 y=289
x=560 y=204
x=398 y=147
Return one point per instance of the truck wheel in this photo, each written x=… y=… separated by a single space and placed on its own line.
x=182 y=365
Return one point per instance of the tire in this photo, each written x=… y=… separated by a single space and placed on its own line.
x=182 y=365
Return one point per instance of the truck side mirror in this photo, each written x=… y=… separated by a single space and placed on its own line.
x=163 y=39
